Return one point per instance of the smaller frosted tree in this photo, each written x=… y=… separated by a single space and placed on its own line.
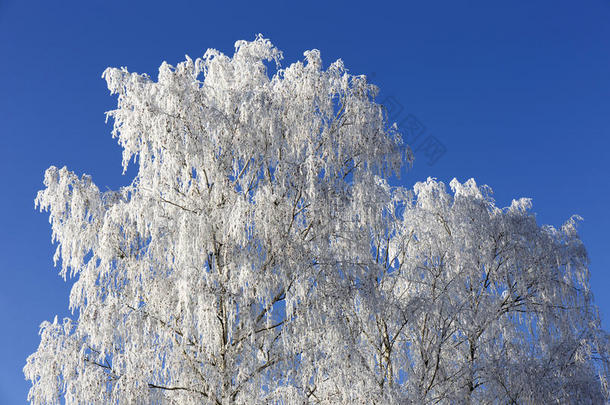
x=470 y=303
x=260 y=256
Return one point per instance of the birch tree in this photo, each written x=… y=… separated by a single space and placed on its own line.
x=260 y=255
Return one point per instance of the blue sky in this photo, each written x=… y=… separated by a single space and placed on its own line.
x=517 y=93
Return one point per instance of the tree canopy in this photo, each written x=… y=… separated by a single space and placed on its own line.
x=261 y=255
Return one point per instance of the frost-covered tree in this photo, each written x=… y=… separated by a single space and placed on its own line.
x=260 y=256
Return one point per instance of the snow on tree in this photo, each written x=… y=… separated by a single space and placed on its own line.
x=260 y=256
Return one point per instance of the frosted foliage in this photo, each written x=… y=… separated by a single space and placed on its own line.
x=260 y=256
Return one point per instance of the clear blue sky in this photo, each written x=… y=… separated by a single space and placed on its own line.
x=518 y=93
